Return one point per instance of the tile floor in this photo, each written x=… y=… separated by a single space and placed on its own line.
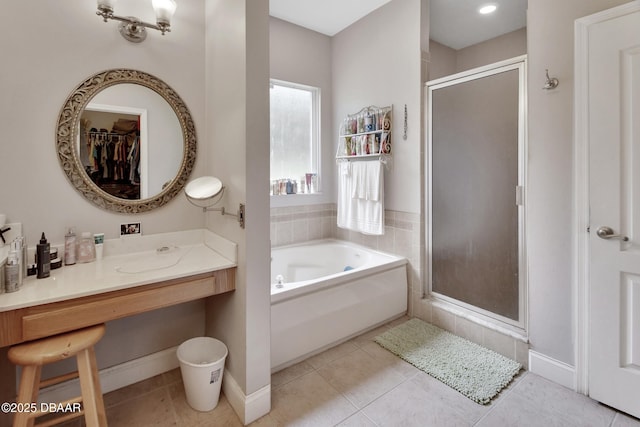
x=358 y=383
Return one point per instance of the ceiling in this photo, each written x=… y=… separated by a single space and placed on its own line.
x=326 y=16
x=457 y=23
x=448 y=17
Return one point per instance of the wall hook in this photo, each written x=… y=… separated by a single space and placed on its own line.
x=550 y=83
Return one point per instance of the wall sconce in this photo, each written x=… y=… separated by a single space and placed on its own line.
x=134 y=29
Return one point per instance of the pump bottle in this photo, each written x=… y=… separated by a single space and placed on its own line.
x=43 y=258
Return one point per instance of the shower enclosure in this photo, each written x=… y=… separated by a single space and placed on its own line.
x=475 y=198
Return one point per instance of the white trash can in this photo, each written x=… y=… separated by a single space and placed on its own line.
x=202 y=365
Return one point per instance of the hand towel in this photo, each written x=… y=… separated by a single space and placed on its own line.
x=344 y=208
x=367 y=179
x=361 y=197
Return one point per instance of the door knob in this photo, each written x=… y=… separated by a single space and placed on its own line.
x=607 y=233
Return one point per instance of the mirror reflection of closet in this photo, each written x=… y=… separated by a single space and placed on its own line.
x=476 y=158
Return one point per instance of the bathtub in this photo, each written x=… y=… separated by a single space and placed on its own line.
x=327 y=291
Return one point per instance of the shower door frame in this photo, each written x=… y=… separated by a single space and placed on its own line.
x=519 y=327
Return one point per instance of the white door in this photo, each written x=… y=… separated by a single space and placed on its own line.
x=614 y=195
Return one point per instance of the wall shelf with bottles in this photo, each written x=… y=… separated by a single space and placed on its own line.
x=366 y=134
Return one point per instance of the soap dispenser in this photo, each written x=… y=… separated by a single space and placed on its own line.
x=43 y=258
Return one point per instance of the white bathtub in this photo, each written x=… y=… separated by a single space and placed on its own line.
x=329 y=291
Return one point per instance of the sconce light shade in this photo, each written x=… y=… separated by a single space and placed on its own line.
x=107 y=4
x=132 y=28
x=164 y=10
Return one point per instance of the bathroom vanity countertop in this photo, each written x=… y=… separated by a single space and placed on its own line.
x=133 y=264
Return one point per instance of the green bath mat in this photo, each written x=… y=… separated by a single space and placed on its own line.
x=476 y=372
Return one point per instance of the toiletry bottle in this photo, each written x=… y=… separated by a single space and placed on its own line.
x=98 y=240
x=70 y=247
x=86 y=248
x=43 y=258
x=368 y=123
x=19 y=248
x=11 y=271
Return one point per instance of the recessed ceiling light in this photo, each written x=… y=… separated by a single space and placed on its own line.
x=487 y=8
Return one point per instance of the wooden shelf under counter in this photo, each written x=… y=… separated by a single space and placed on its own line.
x=38 y=321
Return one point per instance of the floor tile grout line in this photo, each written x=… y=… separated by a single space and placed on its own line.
x=382 y=395
x=137 y=396
x=358 y=409
x=173 y=408
x=500 y=399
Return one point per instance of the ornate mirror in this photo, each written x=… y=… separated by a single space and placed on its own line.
x=126 y=141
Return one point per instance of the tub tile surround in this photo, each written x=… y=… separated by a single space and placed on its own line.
x=401 y=236
x=298 y=224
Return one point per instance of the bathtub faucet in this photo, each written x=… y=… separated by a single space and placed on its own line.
x=279 y=281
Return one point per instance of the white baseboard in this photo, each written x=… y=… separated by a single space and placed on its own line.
x=248 y=408
x=117 y=376
x=552 y=369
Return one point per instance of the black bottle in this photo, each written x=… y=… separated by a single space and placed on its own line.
x=43 y=258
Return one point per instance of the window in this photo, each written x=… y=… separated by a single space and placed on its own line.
x=295 y=142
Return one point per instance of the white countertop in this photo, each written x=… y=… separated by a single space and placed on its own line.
x=128 y=263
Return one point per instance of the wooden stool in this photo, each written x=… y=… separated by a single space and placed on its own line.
x=33 y=354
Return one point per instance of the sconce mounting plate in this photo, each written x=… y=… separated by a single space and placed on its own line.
x=132 y=31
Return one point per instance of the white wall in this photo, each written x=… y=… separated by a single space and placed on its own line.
x=303 y=56
x=377 y=61
x=66 y=43
x=445 y=60
x=442 y=60
x=550 y=29
x=496 y=49
x=237 y=111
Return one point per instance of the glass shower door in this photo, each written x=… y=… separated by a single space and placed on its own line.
x=475 y=149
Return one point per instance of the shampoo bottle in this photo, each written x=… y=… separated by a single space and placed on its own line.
x=43 y=258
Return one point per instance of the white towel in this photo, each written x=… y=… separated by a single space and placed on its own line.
x=344 y=211
x=359 y=180
x=367 y=180
x=361 y=198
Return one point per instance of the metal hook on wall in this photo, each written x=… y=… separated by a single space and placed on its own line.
x=551 y=82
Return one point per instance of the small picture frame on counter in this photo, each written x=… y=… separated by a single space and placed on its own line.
x=130 y=229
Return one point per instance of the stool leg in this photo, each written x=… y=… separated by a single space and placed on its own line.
x=94 y=412
x=28 y=393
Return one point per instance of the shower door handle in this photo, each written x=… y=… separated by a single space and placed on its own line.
x=607 y=233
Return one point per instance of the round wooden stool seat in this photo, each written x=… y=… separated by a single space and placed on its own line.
x=33 y=355
x=55 y=348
